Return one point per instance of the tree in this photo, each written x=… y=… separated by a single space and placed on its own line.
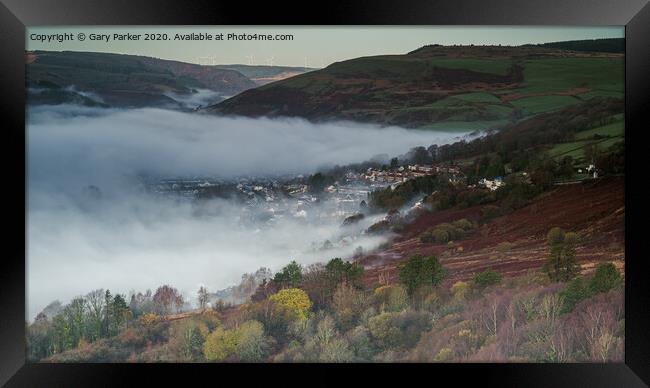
x=220 y=344
x=419 y=155
x=394 y=163
x=318 y=182
x=348 y=303
x=293 y=300
x=166 y=299
x=120 y=314
x=252 y=344
x=203 y=297
x=96 y=303
x=605 y=278
x=186 y=340
x=337 y=271
x=419 y=271
x=561 y=264
x=290 y=276
x=39 y=338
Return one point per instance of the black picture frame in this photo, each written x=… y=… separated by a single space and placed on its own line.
x=16 y=14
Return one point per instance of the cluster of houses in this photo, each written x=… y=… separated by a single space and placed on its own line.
x=591 y=170
x=397 y=175
x=491 y=184
x=404 y=173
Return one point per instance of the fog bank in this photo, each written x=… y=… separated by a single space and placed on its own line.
x=127 y=240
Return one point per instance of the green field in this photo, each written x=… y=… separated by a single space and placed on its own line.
x=616 y=129
x=601 y=93
x=539 y=104
x=556 y=75
x=477 y=97
x=612 y=133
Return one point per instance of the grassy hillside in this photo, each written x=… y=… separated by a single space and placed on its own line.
x=121 y=80
x=466 y=86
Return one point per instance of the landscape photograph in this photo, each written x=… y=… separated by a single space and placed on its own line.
x=325 y=194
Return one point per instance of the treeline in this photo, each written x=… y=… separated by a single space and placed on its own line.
x=85 y=319
x=325 y=313
x=97 y=315
x=610 y=45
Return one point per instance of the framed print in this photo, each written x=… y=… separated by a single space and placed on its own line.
x=391 y=192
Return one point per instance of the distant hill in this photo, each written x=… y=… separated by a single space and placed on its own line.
x=126 y=80
x=611 y=45
x=264 y=74
x=439 y=87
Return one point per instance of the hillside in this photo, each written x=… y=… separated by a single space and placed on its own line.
x=516 y=243
x=263 y=74
x=439 y=87
x=124 y=80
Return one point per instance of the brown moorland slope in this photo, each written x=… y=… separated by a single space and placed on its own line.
x=516 y=243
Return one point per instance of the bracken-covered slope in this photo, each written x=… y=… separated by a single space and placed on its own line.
x=439 y=87
x=516 y=243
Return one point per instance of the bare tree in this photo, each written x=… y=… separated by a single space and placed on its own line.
x=166 y=298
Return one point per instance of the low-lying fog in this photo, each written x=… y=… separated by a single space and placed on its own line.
x=129 y=240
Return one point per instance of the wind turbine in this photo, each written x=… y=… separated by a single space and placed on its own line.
x=269 y=61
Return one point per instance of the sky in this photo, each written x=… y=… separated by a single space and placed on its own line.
x=311 y=46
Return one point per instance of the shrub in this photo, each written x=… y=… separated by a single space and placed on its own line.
x=459 y=290
x=148 y=319
x=440 y=235
x=505 y=246
x=245 y=343
x=446 y=232
x=463 y=224
x=399 y=330
x=605 y=278
x=391 y=298
x=445 y=354
x=575 y=292
x=486 y=278
x=490 y=212
x=293 y=300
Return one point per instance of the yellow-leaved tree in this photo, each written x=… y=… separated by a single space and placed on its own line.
x=220 y=344
x=293 y=300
